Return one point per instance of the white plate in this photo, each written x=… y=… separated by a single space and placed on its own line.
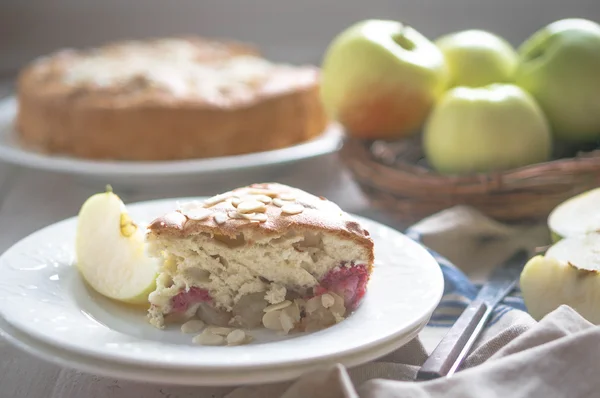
x=191 y=377
x=118 y=171
x=42 y=295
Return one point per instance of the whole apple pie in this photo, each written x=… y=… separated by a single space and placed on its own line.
x=166 y=99
x=265 y=255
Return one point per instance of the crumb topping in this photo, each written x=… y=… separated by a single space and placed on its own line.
x=176 y=66
x=250 y=204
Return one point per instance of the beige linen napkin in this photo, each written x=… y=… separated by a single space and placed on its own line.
x=514 y=357
x=557 y=357
x=461 y=237
x=474 y=242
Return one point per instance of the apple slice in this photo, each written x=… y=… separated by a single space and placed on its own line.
x=111 y=251
x=568 y=274
x=576 y=216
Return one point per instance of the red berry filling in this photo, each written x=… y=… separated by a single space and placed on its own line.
x=347 y=281
x=182 y=301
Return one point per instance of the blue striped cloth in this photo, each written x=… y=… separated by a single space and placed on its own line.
x=459 y=291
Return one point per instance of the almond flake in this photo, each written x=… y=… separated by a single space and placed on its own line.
x=217 y=199
x=292 y=208
x=259 y=191
x=219 y=330
x=313 y=304
x=278 y=306
x=287 y=323
x=187 y=206
x=338 y=308
x=279 y=202
x=251 y=206
x=236 y=201
x=220 y=218
x=206 y=338
x=286 y=196
x=192 y=326
x=236 y=337
x=198 y=214
x=293 y=311
x=256 y=217
x=327 y=300
x=261 y=198
x=235 y=215
x=271 y=320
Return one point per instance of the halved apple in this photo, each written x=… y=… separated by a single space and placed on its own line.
x=576 y=216
x=568 y=274
x=111 y=252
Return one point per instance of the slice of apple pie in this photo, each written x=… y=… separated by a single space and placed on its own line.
x=264 y=255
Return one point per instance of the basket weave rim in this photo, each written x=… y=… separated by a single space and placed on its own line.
x=393 y=179
x=582 y=163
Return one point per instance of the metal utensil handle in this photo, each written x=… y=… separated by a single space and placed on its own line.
x=451 y=351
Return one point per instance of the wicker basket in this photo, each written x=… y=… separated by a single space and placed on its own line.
x=395 y=178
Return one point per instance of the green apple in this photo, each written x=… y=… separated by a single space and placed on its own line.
x=477 y=58
x=379 y=79
x=485 y=129
x=560 y=67
x=577 y=216
x=568 y=274
x=111 y=251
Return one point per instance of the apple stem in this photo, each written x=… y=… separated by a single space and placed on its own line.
x=402 y=41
